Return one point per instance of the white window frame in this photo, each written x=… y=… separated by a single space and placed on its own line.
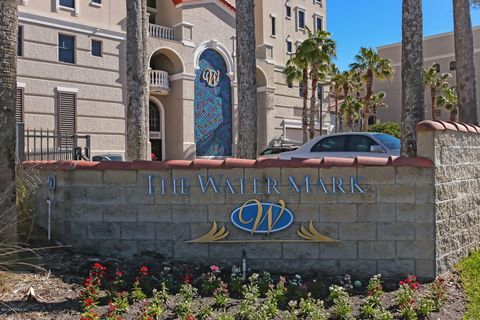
x=297 y=16
x=315 y=18
x=288 y=17
x=273 y=21
x=75 y=10
x=319 y=2
x=96 y=4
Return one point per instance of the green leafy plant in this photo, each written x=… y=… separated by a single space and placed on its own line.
x=184 y=307
x=372 y=307
x=405 y=298
x=249 y=304
x=391 y=128
x=211 y=280
x=221 y=295
x=426 y=306
x=90 y=293
x=438 y=292
x=205 y=312
x=236 y=281
x=264 y=282
x=225 y=316
x=312 y=309
x=341 y=309
x=156 y=308
x=138 y=293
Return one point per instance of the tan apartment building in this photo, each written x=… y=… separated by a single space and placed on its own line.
x=71 y=74
x=437 y=49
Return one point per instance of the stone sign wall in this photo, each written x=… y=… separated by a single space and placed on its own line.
x=360 y=216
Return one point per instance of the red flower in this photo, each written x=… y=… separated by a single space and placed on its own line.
x=144 y=271
x=119 y=274
x=187 y=278
x=214 y=268
x=402 y=283
x=98 y=266
x=88 y=302
x=190 y=317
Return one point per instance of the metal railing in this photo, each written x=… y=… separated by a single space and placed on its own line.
x=159 y=79
x=161 y=32
x=41 y=145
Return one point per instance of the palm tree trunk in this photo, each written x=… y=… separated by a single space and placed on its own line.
x=246 y=70
x=305 y=106
x=413 y=96
x=336 y=112
x=453 y=115
x=433 y=96
x=313 y=101
x=368 y=97
x=466 y=81
x=136 y=82
x=8 y=86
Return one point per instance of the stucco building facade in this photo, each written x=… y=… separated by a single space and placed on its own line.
x=438 y=49
x=72 y=72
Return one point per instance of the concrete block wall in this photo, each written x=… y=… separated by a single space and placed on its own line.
x=106 y=209
x=455 y=150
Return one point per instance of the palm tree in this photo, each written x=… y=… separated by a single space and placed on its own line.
x=466 y=81
x=436 y=82
x=413 y=95
x=377 y=101
x=336 y=88
x=449 y=100
x=318 y=49
x=137 y=88
x=297 y=69
x=371 y=66
x=351 y=111
x=246 y=73
x=348 y=81
x=8 y=83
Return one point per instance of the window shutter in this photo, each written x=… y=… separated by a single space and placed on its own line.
x=66 y=105
x=19 y=105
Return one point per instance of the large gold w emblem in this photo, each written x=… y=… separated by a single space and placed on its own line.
x=211 y=76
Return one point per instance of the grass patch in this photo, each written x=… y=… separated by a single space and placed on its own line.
x=469 y=269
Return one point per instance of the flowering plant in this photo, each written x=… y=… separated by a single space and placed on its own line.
x=141 y=281
x=405 y=298
x=90 y=293
x=211 y=280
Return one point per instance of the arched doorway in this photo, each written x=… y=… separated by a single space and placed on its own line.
x=212 y=106
x=156 y=123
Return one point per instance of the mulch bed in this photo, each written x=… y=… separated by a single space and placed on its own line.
x=58 y=280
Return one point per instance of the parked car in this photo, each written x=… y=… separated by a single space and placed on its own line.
x=108 y=157
x=347 y=145
x=274 y=151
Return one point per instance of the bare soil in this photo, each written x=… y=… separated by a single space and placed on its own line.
x=59 y=275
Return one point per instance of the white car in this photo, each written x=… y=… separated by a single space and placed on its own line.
x=347 y=145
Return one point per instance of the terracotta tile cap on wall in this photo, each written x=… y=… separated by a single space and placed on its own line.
x=439 y=125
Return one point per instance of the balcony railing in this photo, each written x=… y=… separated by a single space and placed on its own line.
x=161 y=32
x=159 y=81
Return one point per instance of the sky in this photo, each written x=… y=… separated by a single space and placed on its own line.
x=373 y=23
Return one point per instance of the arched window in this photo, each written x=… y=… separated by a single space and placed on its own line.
x=453 y=66
x=154 y=117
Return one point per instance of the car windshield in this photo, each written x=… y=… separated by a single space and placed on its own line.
x=391 y=142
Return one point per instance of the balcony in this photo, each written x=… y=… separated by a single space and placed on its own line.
x=159 y=83
x=161 y=32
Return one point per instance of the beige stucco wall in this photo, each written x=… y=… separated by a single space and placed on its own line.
x=437 y=49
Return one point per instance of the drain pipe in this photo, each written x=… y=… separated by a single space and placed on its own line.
x=49 y=227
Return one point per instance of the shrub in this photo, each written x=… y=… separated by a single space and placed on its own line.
x=391 y=128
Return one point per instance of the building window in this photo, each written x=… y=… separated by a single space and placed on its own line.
x=453 y=66
x=19 y=105
x=437 y=67
x=289 y=46
x=66 y=48
x=318 y=23
x=67 y=3
x=66 y=117
x=96 y=48
x=300 y=19
x=320 y=92
x=300 y=89
x=273 y=21
x=20 y=41
x=97 y=2
x=289 y=83
x=319 y=2
x=154 y=118
x=288 y=11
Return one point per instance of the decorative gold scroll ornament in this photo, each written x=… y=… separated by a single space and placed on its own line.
x=308 y=235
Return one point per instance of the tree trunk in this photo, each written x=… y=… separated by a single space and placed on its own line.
x=453 y=115
x=433 y=96
x=313 y=108
x=336 y=113
x=466 y=81
x=368 y=97
x=8 y=86
x=137 y=89
x=246 y=73
x=413 y=95
x=305 y=106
